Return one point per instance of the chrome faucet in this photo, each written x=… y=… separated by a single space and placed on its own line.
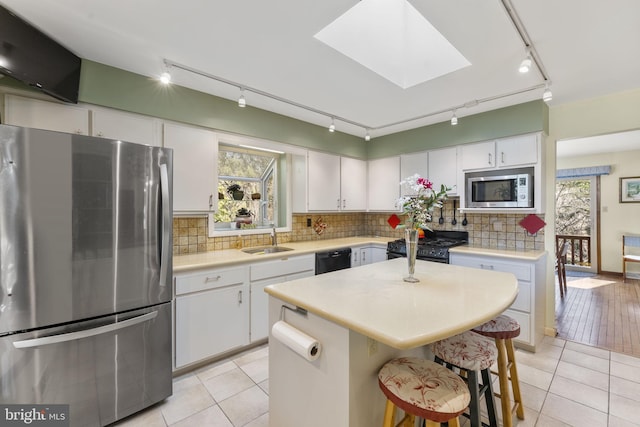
x=274 y=236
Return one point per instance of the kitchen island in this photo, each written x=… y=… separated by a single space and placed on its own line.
x=363 y=317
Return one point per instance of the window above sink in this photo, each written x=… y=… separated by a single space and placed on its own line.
x=253 y=187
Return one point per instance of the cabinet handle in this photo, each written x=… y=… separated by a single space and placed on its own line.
x=212 y=279
x=338 y=203
x=344 y=203
x=99 y=134
x=502 y=153
x=486 y=267
x=490 y=162
x=210 y=201
x=364 y=257
x=239 y=297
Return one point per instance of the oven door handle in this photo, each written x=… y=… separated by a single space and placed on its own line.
x=71 y=336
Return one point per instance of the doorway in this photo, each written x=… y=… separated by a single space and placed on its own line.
x=577 y=222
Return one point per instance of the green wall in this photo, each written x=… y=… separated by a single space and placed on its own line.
x=515 y=120
x=115 y=88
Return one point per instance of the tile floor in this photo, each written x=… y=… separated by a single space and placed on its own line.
x=563 y=384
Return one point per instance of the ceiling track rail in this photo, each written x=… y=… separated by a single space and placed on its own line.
x=511 y=13
x=524 y=36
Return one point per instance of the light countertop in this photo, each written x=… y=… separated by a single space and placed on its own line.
x=374 y=301
x=524 y=255
x=229 y=257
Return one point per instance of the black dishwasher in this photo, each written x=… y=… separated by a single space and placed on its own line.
x=333 y=260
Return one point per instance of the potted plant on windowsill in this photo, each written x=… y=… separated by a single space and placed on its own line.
x=235 y=191
x=243 y=216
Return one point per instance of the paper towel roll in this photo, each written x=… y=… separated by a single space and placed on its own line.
x=301 y=343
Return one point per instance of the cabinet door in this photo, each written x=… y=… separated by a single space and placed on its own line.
x=478 y=156
x=365 y=255
x=378 y=254
x=33 y=113
x=411 y=164
x=211 y=322
x=195 y=167
x=353 y=184
x=516 y=151
x=443 y=169
x=125 y=127
x=260 y=307
x=384 y=184
x=323 y=181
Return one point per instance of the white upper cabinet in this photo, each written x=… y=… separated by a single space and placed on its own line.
x=517 y=151
x=502 y=153
x=353 y=184
x=323 y=182
x=443 y=169
x=195 y=167
x=480 y=155
x=334 y=183
x=127 y=127
x=33 y=113
x=384 y=184
x=411 y=164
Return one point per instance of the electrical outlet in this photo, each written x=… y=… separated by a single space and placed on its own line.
x=308 y=222
x=372 y=346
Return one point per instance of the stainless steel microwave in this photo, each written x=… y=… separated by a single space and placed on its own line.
x=512 y=188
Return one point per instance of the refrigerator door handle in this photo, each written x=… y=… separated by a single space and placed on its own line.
x=55 y=339
x=166 y=223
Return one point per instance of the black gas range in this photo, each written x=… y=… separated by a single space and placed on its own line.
x=433 y=247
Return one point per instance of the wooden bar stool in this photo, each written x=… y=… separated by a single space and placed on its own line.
x=502 y=329
x=471 y=353
x=422 y=388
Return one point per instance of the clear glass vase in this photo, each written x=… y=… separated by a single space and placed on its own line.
x=411 y=241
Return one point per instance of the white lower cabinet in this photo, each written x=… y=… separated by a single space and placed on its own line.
x=269 y=273
x=211 y=313
x=363 y=255
x=528 y=308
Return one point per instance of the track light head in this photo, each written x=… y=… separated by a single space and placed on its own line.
x=547 y=95
x=241 y=101
x=454 y=119
x=525 y=65
x=165 y=78
x=367 y=136
x=332 y=127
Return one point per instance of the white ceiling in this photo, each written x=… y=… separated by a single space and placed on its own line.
x=588 y=48
x=622 y=141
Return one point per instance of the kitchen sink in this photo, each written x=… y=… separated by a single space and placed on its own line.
x=261 y=250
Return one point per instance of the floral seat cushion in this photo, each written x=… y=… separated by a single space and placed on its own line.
x=467 y=350
x=424 y=388
x=502 y=327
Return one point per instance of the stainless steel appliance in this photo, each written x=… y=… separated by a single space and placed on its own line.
x=433 y=247
x=333 y=260
x=500 y=189
x=85 y=281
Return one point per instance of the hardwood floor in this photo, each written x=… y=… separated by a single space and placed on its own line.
x=604 y=313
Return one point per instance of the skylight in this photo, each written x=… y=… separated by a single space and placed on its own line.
x=392 y=39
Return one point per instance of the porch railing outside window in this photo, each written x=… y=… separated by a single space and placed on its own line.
x=579 y=253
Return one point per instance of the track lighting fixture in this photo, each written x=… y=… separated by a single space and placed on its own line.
x=165 y=78
x=332 y=127
x=454 y=119
x=525 y=65
x=547 y=95
x=367 y=136
x=241 y=101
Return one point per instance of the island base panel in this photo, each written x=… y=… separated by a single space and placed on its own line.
x=340 y=388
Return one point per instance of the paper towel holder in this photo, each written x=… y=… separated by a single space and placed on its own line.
x=298 y=310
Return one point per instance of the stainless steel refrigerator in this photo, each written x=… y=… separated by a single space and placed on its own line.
x=85 y=284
